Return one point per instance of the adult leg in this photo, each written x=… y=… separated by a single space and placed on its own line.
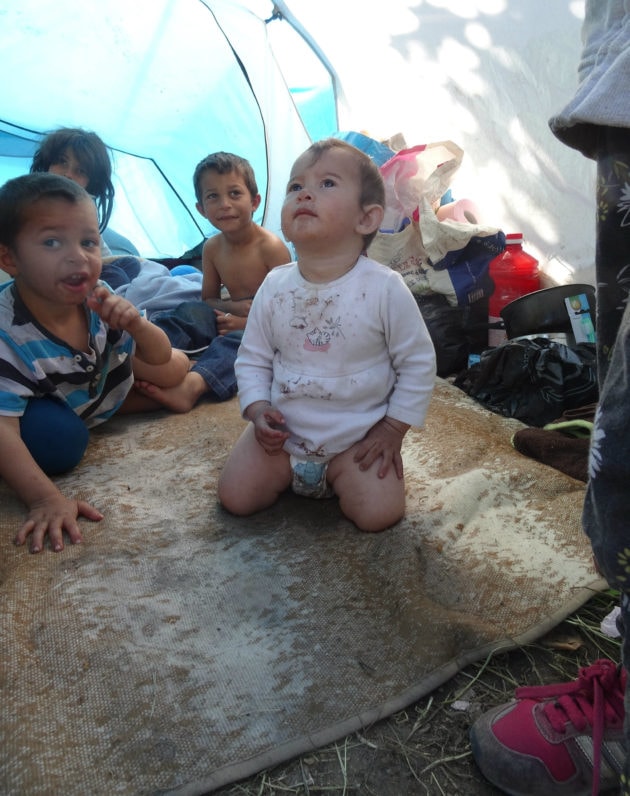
x=624 y=626
x=55 y=436
x=537 y=739
x=251 y=479
x=612 y=254
x=612 y=264
x=372 y=503
x=607 y=501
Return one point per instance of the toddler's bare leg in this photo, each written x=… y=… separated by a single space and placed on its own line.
x=372 y=503
x=252 y=479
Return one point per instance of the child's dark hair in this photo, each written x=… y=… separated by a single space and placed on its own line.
x=94 y=158
x=372 y=191
x=224 y=163
x=18 y=195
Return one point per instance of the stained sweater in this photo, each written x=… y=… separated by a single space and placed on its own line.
x=336 y=357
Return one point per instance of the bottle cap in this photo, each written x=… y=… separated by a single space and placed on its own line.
x=514 y=237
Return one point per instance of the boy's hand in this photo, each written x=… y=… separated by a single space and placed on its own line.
x=115 y=311
x=240 y=307
x=269 y=428
x=383 y=440
x=228 y=322
x=53 y=516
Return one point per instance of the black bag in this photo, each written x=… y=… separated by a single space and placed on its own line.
x=455 y=332
x=534 y=380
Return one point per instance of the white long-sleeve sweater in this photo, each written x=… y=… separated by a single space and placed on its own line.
x=335 y=358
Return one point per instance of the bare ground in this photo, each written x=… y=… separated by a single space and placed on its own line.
x=425 y=749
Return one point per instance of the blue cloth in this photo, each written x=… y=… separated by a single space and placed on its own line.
x=182 y=270
x=120 y=272
x=380 y=153
x=216 y=365
x=149 y=285
x=191 y=326
x=55 y=436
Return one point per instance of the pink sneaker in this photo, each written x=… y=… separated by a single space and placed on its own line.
x=556 y=740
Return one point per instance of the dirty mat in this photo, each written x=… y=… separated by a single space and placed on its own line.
x=179 y=648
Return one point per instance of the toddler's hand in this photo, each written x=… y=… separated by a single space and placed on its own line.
x=270 y=430
x=52 y=517
x=383 y=440
x=115 y=311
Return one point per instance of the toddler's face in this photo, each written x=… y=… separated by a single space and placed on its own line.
x=68 y=166
x=322 y=200
x=56 y=259
x=226 y=201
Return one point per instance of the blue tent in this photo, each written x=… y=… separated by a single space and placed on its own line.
x=164 y=83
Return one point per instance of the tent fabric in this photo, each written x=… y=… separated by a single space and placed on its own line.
x=163 y=84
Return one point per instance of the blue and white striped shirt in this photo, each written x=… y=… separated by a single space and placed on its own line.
x=35 y=363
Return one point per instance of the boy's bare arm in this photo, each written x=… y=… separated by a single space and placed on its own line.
x=152 y=343
x=211 y=282
x=49 y=512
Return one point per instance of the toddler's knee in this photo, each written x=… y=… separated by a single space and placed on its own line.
x=375 y=523
x=373 y=516
x=243 y=499
x=231 y=498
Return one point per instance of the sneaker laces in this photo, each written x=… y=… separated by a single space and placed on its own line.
x=595 y=699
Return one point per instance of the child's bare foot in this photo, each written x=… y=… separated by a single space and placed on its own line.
x=181 y=398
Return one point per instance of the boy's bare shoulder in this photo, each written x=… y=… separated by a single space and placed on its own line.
x=217 y=252
x=261 y=249
x=265 y=233
x=272 y=245
x=211 y=244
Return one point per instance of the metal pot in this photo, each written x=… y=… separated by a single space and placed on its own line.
x=544 y=312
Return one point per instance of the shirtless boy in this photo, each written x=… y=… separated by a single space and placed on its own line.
x=237 y=259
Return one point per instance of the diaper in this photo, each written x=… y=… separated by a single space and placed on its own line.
x=309 y=478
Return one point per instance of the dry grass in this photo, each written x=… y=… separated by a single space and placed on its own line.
x=424 y=749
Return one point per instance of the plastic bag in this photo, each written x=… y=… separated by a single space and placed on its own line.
x=447 y=257
x=404 y=252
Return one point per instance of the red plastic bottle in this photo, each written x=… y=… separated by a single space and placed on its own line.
x=514 y=273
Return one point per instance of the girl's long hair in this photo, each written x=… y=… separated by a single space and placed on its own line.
x=94 y=158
